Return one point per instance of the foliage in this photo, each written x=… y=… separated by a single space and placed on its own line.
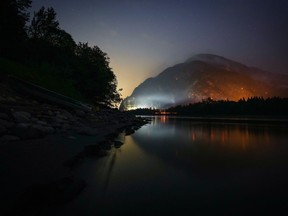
x=254 y=106
x=13 y=18
x=44 y=24
x=94 y=75
x=53 y=56
x=143 y=111
x=251 y=106
x=44 y=27
x=41 y=76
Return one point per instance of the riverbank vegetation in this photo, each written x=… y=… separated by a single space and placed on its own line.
x=35 y=48
x=255 y=106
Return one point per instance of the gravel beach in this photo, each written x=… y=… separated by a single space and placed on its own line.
x=40 y=144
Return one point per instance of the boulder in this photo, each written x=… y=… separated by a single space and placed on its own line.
x=2 y=129
x=94 y=150
x=4 y=116
x=129 y=131
x=79 y=113
x=26 y=131
x=6 y=124
x=9 y=138
x=44 y=129
x=106 y=145
x=39 y=122
x=21 y=116
x=87 y=131
x=118 y=144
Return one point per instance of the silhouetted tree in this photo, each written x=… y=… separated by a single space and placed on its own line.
x=45 y=28
x=44 y=24
x=95 y=78
x=251 y=106
x=50 y=45
x=53 y=50
x=13 y=18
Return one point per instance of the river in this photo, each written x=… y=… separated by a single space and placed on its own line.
x=175 y=166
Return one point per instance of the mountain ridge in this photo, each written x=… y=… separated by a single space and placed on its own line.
x=205 y=76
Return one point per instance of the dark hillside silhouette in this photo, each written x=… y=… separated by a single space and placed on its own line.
x=46 y=47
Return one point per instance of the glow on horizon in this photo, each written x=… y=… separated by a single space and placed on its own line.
x=142 y=38
x=130 y=72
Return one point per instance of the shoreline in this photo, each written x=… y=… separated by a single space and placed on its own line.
x=281 y=120
x=41 y=144
x=37 y=171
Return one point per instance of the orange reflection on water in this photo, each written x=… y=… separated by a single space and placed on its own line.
x=193 y=136
x=211 y=136
x=163 y=119
x=235 y=136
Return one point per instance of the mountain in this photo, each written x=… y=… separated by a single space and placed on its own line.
x=205 y=76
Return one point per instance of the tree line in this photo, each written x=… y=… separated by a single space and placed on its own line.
x=251 y=106
x=256 y=106
x=38 y=41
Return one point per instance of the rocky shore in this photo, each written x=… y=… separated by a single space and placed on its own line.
x=41 y=144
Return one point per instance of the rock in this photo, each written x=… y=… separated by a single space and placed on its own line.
x=25 y=125
x=2 y=129
x=80 y=113
x=129 y=131
x=25 y=131
x=9 y=138
x=65 y=127
x=61 y=117
x=94 y=150
x=118 y=144
x=44 y=129
x=72 y=162
x=106 y=145
x=41 y=122
x=67 y=114
x=50 y=113
x=21 y=116
x=6 y=124
x=34 y=120
x=59 y=120
x=4 y=116
x=115 y=122
x=11 y=99
x=56 y=125
x=87 y=131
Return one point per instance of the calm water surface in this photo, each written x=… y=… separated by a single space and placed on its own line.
x=173 y=166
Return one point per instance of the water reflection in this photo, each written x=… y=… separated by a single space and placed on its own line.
x=215 y=147
x=238 y=136
x=111 y=164
x=174 y=166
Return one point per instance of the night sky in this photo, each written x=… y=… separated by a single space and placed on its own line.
x=143 y=37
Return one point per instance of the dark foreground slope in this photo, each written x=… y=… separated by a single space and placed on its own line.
x=40 y=145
